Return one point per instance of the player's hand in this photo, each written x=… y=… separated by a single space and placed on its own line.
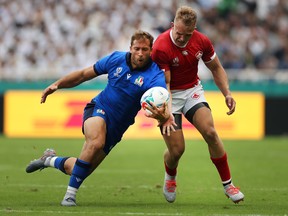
x=160 y=113
x=231 y=104
x=49 y=90
x=164 y=117
x=168 y=126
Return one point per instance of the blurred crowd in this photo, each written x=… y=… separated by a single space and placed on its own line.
x=43 y=39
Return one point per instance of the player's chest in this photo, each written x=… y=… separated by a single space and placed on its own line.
x=123 y=77
x=185 y=57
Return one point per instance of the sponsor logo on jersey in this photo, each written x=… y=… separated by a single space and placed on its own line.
x=139 y=81
x=198 y=55
x=128 y=76
x=118 y=71
x=175 y=61
x=100 y=111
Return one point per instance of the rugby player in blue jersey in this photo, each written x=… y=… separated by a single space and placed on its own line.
x=111 y=112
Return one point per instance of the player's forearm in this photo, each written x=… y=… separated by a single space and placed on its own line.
x=220 y=78
x=71 y=80
x=223 y=84
x=75 y=78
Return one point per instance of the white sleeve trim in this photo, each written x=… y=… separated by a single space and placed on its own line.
x=212 y=58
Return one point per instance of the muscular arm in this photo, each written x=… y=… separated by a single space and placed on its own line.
x=221 y=80
x=219 y=75
x=75 y=78
x=71 y=80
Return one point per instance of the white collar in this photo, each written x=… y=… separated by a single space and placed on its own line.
x=174 y=41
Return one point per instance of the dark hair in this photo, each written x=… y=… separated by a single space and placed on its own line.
x=139 y=34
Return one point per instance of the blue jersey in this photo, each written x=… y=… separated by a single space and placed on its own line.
x=121 y=97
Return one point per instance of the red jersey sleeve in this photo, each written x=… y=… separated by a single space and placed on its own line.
x=209 y=52
x=161 y=59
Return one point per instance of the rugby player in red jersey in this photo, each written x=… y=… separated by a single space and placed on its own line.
x=178 y=51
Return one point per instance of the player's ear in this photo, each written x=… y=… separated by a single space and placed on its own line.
x=172 y=24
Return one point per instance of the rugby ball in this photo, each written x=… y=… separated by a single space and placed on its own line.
x=158 y=95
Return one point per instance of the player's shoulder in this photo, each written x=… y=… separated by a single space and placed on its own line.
x=199 y=35
x=162 y=40
x=118 y=54
x=154 y=66
x=156 y=70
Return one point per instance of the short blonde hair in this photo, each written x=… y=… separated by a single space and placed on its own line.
x=187 y=15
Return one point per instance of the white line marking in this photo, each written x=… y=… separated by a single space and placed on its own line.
x=92 y=212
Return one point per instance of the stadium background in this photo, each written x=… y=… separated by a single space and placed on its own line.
x=41 y=41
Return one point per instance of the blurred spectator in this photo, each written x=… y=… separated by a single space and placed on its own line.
x=42 y=39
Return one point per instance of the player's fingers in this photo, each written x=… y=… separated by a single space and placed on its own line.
x=164 y=130
x=168 y=130
x=164 y=105
x=152 y=105
x=231 y=109
x=43 y=99
x=172 y=128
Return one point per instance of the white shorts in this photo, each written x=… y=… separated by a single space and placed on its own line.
x=184 y=100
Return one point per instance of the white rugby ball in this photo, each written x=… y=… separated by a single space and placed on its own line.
x=158 y=95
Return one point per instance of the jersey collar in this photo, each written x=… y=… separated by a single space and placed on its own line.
x=128 y=61
x=174 y=41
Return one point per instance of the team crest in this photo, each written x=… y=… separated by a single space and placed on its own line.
x=198 y=55
x=185 y=52
x=195 y=96
x=139 y=81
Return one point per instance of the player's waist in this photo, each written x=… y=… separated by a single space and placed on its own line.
x=181 y=86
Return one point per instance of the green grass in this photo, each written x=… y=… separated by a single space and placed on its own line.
x=129 y=181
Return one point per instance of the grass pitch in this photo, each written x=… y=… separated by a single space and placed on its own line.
x=129 y=181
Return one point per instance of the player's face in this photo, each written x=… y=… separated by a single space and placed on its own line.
x=140 y=53
x=181 y=33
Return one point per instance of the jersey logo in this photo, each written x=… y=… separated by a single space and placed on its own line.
x=128 y=76
x=118 y=71
x=198 y=55
x=185 y=52
x=195 y=96
x=175 y=62
x=100 y=111
x=78 y=179
x=139 y=81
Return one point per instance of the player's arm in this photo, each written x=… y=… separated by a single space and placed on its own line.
x=163 y=113
x=160 y=113
x=71 y=80
x=170 y=123
x=221 y=80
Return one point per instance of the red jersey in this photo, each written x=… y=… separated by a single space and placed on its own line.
x=182 y=61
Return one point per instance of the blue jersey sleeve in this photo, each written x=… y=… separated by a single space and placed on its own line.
x=101 y=65
x=158 y=79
